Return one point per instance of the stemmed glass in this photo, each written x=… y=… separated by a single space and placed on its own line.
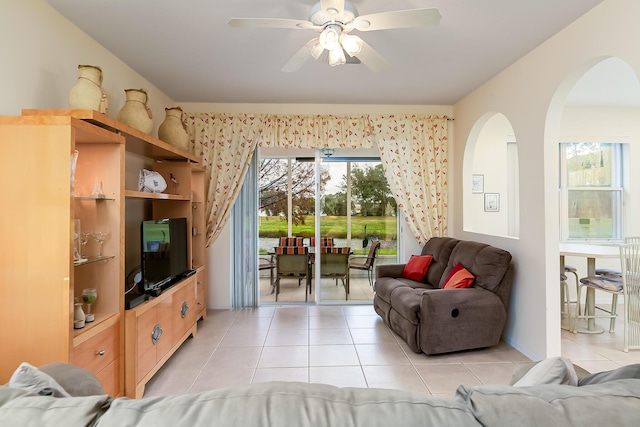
x=76 y=248
x=100 y=237
x=84 y=239
x=89 y=296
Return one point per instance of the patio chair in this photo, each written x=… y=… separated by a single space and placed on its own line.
x=291 y=241
x=366 y=262
x=324 y=241
x=334 y=263
x=293 y=262
x=268 y=263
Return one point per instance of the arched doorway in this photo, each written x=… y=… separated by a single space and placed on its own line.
x=595 y=108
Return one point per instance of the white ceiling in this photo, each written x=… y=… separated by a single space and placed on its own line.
x=186 y=49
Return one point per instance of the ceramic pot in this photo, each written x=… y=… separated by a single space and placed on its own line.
x=172 y=130
x=136 y=112
x=87 y=93
x=78 y=316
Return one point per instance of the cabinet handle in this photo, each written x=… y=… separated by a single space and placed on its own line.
x=156 y=333
x=184 y=309
x=100 y=353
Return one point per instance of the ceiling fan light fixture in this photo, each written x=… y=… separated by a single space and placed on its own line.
x=351 y=44
x=336 y=56
x=330 y=37
x=315 y=49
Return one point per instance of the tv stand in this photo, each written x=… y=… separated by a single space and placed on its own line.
x=155 y=329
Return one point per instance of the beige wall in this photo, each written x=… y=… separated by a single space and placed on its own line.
x=531 y=93
x=41 y=51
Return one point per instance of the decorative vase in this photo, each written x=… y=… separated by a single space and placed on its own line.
x=172 y=130
x=78 y=316
x=87 y=93
x=136 y=112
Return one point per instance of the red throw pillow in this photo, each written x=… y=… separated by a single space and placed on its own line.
x=417 y=267
x=459 y=277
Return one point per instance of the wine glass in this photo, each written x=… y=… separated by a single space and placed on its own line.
x=84 y=239
x=100 y=237
x=89 y=296
x=76 y=248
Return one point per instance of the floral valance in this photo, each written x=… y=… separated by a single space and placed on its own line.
x=315 y=131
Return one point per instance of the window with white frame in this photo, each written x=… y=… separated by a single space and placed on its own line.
x=591 y=191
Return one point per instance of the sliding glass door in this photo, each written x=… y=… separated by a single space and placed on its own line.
x=340 y=203
x=357 y=212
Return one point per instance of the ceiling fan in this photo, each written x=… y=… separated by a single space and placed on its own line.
x=335 y=20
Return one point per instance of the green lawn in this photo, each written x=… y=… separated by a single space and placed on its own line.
x=331 y=226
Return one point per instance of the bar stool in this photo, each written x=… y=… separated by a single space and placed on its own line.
x=565 y=311
x=574 y=271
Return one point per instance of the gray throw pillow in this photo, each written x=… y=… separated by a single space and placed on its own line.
x=555 y=370
x=30 y=378
x=75 y=380
x=630 y=371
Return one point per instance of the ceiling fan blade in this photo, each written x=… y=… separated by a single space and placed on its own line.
x=301 y=56
x=331 y=7
x=295 y=24
x=372 y=59
x=397 y=19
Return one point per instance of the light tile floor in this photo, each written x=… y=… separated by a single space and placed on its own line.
x=346 y=346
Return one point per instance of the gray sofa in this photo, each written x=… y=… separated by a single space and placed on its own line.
x=434 y=320
x=609 y=399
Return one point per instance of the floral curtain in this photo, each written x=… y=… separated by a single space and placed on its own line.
x=225 y=142
x=413 y=150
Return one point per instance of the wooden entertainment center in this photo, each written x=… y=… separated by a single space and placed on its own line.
x=41 y=281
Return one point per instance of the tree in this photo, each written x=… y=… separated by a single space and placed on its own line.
x=273 y=188
x=369 y=188
x=335 y=204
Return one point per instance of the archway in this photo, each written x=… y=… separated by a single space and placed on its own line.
x=598 y=103
x=491 y=178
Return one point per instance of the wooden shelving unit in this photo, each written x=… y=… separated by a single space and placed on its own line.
x=39 y=279
x=42 y=280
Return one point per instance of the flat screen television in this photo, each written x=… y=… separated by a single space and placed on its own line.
x=164 y=253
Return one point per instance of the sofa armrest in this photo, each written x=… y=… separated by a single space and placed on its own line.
x=389 y=270
x=459 y=319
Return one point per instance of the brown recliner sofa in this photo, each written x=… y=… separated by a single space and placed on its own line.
x=434 y=320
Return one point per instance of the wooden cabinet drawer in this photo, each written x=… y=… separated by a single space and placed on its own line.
x=183 y=311
x=110 y=378
x=98 y=351
x=201 y=289
x=145 y=349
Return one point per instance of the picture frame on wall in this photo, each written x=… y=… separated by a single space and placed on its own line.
x=492 y=202
x=477 y=184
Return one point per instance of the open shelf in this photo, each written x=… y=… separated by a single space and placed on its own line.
x=154 y=196
x=137 y=142
x=94 y=199
x=92 y=259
